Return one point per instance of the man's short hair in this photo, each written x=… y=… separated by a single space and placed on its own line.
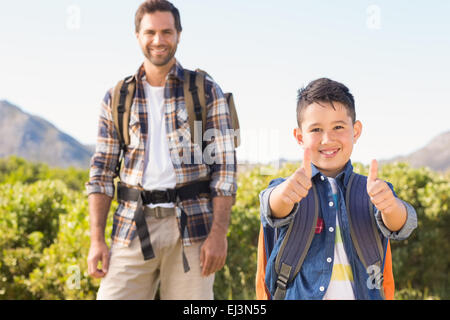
x=325 y=90
x=151 y=6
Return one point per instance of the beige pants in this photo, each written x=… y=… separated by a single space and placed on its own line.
x=131 y=278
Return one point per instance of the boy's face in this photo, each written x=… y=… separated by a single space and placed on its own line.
x=330 y=134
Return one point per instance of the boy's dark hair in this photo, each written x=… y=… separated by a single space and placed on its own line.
x=151 y=6
x=325 y=90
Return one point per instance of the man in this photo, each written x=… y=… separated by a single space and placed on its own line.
x=180 y=242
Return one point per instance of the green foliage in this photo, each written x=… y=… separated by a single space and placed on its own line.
x=423 y=260
x=44 y=233
x=29 y=222
x=15 y=169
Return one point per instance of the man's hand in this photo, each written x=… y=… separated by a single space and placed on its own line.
x=393 y=211
x=98 y=251
x=213 y=252
x=293 y=190
x=99 y=205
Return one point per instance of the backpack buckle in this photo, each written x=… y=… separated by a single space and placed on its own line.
x=282 y=282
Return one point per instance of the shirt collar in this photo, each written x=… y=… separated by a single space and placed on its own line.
x=176 y=72
x=343 y=176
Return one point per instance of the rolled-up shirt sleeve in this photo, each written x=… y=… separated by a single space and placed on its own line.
x=405 y=231
x=103 y=163
x=220 y=152
x=266 y=212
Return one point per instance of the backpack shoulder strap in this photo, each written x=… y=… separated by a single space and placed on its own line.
x=363 y=227
x=296 y=242
x=194 y=97
x=121 y=102
x=234 y=118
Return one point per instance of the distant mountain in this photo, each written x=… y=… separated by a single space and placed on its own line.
x=36 y=139
x=435 y=155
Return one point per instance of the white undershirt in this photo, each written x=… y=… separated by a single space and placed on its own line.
x=341 y=283
x=159 y=173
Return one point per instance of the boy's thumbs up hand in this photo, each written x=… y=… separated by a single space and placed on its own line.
x=307 y=163
x=380 y=193
x=297 y=186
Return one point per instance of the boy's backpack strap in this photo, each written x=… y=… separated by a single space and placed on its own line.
x=296 y=242
x=194 y=97
x=121 y=102
x=363 y=228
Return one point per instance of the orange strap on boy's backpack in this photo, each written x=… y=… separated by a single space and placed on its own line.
x=262 y=293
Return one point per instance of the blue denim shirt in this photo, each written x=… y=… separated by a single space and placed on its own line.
x=312 y=281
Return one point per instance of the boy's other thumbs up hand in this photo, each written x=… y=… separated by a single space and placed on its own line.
x=380 y=193
x=372 y=178
x=373 y=171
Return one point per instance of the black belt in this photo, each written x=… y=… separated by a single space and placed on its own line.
x=144 y=197
x=189 y=191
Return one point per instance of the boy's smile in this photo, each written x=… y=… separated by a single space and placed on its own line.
x=330 y=134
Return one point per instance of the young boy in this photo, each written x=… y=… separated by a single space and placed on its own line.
x=332 y=267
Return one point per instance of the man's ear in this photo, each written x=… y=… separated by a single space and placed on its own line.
x=298 y=135
x=357 y=130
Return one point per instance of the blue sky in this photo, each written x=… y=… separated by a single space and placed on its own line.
x=58 y=58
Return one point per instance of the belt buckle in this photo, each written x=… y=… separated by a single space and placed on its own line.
x=158 y=212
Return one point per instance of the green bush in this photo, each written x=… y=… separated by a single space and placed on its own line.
x=15 y=169
x=29 y=222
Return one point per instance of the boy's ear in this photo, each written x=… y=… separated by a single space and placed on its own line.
x=298 y=135
x=357 y=130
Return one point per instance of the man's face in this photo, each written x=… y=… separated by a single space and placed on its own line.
x=158 y=37
x=330 y=134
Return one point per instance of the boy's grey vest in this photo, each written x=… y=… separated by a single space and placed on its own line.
x=298 y=237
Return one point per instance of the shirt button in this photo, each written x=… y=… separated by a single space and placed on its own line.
x=322 y=288
x=329 y=260
x=331 y=229
x=330 y=203
x=322 y=178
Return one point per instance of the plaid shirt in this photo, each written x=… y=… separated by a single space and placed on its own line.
x=222 y=171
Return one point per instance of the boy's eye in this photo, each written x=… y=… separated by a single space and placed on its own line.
x=315 y=130
x=339 y=127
